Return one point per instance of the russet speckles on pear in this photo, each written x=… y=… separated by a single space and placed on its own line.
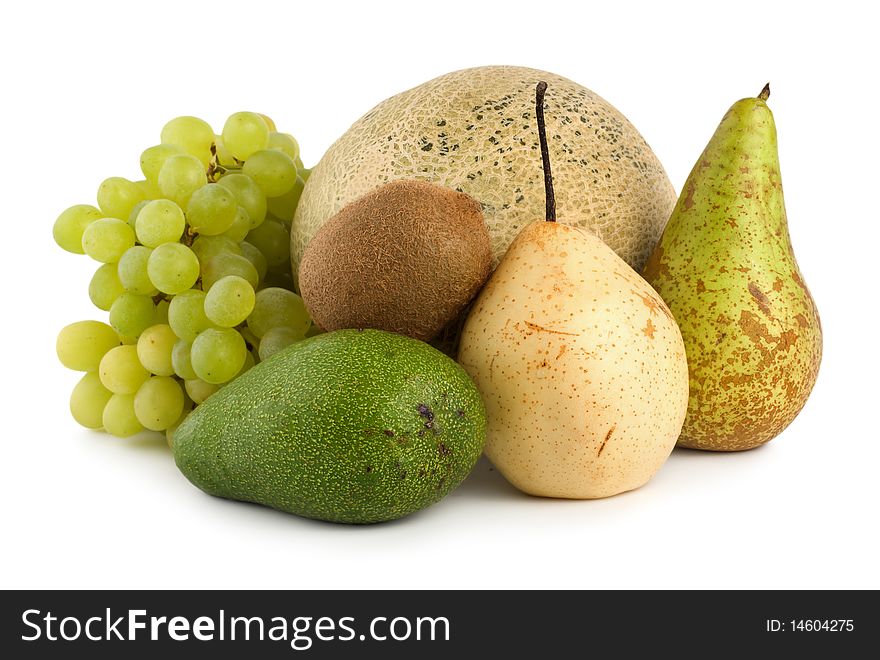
x=726 y=267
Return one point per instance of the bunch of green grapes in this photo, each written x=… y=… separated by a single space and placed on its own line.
x=195 y=273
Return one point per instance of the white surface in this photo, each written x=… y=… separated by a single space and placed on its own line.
x=85 y=90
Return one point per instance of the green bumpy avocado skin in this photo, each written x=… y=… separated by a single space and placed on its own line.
x=352 y=426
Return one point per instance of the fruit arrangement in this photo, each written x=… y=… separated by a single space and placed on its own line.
x=584 y=340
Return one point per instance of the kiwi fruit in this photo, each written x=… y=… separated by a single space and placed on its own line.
x=406 y=258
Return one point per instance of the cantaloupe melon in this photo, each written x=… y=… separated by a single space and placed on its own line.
x=474 y=131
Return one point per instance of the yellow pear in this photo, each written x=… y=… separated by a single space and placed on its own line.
x=580 y=364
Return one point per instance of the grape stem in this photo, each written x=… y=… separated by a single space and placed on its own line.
x=216 y=170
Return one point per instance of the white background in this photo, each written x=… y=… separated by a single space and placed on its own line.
x=87 y=86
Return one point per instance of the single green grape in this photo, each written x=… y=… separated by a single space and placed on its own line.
x=284 y=142
x=119 y=418
x=149 y=189
x=272 y=170
x=248 y=194
x=131 y=314
x=276 y=339
x=198 y=390
x=229 y=301
x=284 y=206
x=173 y=268
x=206 y=247
x=71 y=224
x=191 y=134
x=270 y=123
x=132 y=217
x=158 y=403
x=218 y=354
x=186 y=315
x=121 y=370
x=159 y=221
x=280 y=279
x=227 y=263
x=181 y=175
x=153 y=158
x=105 y=287
x=257 y=258
x=273 y=240
x=275 y=307
x=106 y=239
x=81 y=345
x=87 y=401
x=211 y=209
x=132 y=271
x=118 y=196
x=155 y=347
x=162 y=311
x=244 y=133
x=240 y=226
x=181 y=359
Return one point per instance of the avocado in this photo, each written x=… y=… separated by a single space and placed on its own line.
x=351 y=426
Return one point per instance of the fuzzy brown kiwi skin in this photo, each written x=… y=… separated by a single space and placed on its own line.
x=407 y=257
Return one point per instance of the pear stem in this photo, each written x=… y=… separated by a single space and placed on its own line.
x=765 y=93
x=550 y=199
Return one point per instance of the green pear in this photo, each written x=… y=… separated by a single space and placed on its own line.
x=726 y=268
x=579 y=362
